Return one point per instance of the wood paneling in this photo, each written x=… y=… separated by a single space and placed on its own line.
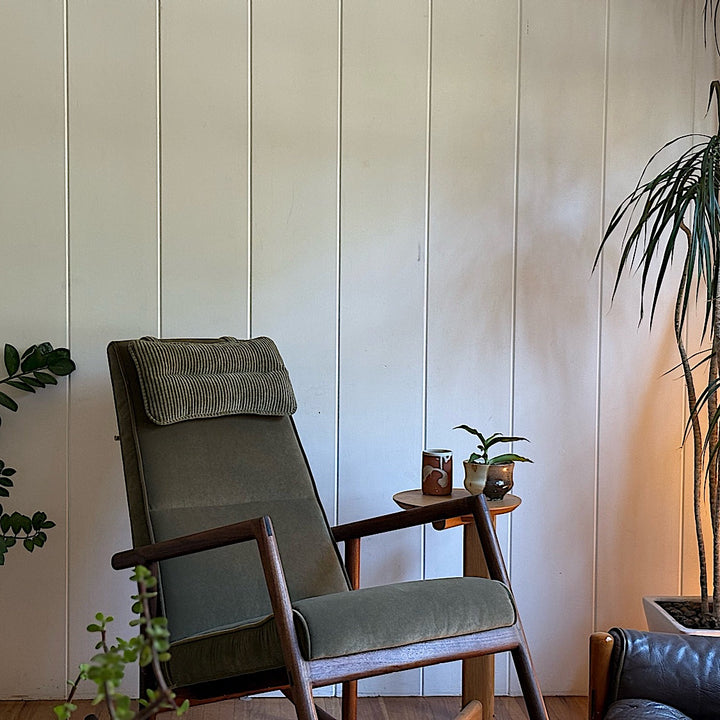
x=33 y=278
x=294 y=210
x=368 y=183
x=470 y=278
x=113 y=281
x=556 y=339
x=204 y=168
x=382 y=278
x=641 y=411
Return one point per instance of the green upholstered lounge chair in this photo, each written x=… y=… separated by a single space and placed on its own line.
x=251 y=580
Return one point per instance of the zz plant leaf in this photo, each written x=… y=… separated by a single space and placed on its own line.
x=37 y=367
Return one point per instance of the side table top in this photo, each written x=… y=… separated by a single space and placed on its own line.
x=408 y=499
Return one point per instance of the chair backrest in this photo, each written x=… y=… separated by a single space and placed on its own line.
x=203 y=473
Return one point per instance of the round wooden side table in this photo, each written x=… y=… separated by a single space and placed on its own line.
x=478 y=673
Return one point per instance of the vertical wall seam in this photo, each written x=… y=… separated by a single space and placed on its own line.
x=684 y=410
x=249 y=165
x=338 y=256
x=158 y=165
x=599 y=331
x=338 y=270
x=426 y=259
x=514 y=278
x=426 y=281
x=68 y=387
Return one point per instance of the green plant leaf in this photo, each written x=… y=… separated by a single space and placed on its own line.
x=467 y=428
x=44 y=377
x=21 y=385
x=4 y=522
x=12 y=359
x=31 y=380
x=8 y=402
x=61 y=366
x=28 y=544
x=4 y=492
x=5 y=482
x=8 y=471
x=506 y=458
x=38 y=519
x=28 y=351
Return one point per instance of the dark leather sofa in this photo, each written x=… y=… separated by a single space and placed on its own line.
x=636 y=675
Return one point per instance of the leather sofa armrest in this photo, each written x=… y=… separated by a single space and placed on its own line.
x=679 y=670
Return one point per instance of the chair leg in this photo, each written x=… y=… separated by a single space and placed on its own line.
x=472 y=711
x=301 y=697
x=349 y=700
x=528 y=683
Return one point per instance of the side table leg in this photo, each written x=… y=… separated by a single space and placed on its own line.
x=478 y=673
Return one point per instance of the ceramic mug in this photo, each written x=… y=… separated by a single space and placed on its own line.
x=437 y=472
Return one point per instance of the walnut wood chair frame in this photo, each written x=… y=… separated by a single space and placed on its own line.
x=601 y=647
x=300 y=676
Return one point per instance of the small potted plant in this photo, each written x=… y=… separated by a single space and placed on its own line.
x=492 y=476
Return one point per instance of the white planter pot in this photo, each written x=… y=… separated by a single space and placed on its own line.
x=659 y=620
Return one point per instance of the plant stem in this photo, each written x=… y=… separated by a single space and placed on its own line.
x=696 y=430
x=714 y=436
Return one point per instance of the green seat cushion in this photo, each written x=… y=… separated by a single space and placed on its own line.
x=348 y=622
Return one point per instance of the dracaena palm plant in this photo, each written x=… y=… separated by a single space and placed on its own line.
x=674 y=217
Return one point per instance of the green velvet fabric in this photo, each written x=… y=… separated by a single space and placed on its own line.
x=348 y=622
x=403 y=613
x=204 y=473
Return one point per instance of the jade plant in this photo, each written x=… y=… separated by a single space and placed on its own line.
x=486 y=443
x=39 y=366
x=106 y=669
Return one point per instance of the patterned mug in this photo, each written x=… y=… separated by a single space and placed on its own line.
x=437 y=472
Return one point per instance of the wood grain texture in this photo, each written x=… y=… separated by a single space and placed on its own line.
x=376 y=708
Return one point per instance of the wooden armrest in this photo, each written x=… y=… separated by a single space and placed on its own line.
x=601 y=647
x=408 y=518
x=197 y=542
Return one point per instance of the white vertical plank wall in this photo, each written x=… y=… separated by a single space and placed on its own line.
x=204 y=168
x=34 y=285
x=560 y=161
x=408 y=197
x=294 y=210
x=113 y=281
x=473 y=96
x=641 y=411
x=382 y=285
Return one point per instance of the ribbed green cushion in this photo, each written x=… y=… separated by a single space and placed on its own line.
x=349 y=622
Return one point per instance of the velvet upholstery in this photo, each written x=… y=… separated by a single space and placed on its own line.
x=211 y=472
x=338 y=624
x=206 y=473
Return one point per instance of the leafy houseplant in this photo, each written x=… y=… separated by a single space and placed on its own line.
x=36 y=368
x=675 y=216
x=148 y=648
x=490 y=475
